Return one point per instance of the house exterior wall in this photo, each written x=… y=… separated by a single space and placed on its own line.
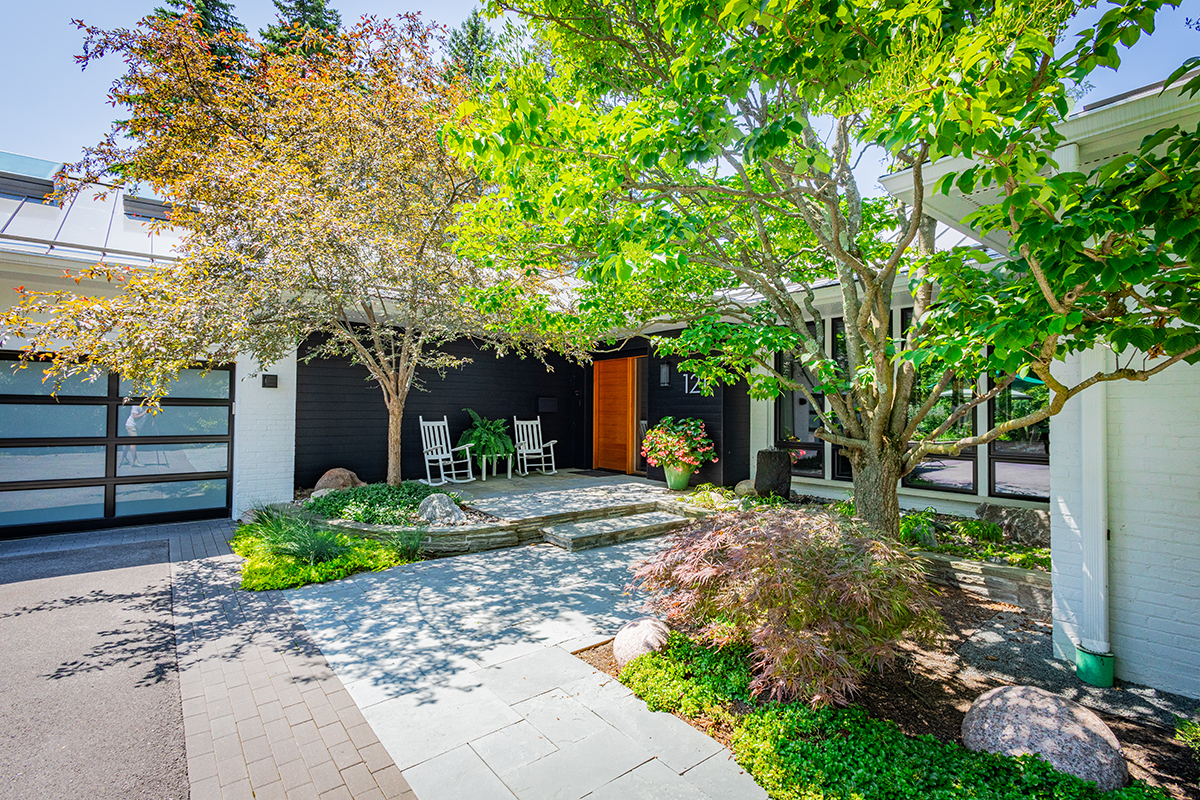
x=1154 y=526
x=341 y=420
x=264 y=439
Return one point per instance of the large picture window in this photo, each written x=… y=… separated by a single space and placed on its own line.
x=1020 y=459
x=1017 y=465
x=797 y=421
x=942 y=473
x=91 y=455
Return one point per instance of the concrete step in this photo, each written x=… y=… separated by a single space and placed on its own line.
x=600 y=532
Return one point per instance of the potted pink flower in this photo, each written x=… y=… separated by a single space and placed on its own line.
x=679 y=446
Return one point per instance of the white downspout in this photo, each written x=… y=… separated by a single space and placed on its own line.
x=1093 y=629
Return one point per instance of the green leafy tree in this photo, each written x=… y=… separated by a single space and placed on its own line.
x=470 y=48
x=297 y=18
x=696 y=163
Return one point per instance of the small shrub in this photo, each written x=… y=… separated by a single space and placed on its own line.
x=818 y=597
x=844 y=507
x=709 y=495
x=918 y=527
x=406 y=544
x=376 y=504
x=306 y=542
x=979 y=529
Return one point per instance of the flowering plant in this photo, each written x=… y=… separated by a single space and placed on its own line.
x=678 y=443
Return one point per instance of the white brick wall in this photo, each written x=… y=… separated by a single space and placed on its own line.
x=1154 y=520
x=264 y=436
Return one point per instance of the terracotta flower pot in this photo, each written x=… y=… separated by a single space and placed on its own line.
x=677 y=477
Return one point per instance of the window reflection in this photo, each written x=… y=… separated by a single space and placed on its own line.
x=798 y=422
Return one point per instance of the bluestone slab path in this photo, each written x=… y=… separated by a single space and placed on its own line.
x=463 y=668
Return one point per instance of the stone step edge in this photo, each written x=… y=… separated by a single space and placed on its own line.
x=613 y=536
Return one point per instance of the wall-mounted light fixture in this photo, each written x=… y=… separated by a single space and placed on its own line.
x=664 y=374
x=270 y=381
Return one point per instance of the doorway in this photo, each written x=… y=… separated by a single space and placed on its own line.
x=619 y=418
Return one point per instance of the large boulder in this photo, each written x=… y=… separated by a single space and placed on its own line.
x=646 y=635
x=1016 y=720
x=745 y=488
x=338 y=478
x=774 y=473
x=440 y=509
x=1026 y=526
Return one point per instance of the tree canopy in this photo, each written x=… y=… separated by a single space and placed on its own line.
x=296 y=18
x=696 y=164
x=470 y=48
x=314 y=198
x=213 y=16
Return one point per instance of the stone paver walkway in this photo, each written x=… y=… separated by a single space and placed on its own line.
x=574 y=500
x=463 y=667
x=264 y=715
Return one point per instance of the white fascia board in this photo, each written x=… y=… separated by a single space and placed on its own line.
x=1099 y=135
x=948 y=209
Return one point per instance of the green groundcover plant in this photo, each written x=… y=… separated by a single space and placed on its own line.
x=1188 y=732
x=376 y=504
x=284 y=551
x=796 y=752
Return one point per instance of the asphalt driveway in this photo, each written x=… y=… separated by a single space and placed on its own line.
x=89 y=690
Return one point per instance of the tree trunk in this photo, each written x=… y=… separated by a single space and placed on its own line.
x=876 y=501
x=395 y=415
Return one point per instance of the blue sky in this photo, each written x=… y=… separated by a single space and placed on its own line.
x=50 y=109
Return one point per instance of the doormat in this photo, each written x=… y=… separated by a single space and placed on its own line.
x=596 y=473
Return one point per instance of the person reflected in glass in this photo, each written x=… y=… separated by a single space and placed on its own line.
x=137 y=416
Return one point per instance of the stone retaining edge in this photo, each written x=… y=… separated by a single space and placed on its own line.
x=1027 y=588
x=480 y=537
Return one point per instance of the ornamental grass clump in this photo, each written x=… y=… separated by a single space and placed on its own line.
x=818 y=597
x=678 y=443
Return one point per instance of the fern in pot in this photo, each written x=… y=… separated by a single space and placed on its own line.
x=488 y=438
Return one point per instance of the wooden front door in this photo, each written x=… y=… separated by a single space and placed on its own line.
x=613 y=413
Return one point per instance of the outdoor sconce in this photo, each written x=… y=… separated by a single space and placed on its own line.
x=664 y=374
x=270 y=381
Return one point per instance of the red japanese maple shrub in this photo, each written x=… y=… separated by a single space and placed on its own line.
x=818 y=597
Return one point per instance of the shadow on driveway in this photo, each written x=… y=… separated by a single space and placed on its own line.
x=89 y=694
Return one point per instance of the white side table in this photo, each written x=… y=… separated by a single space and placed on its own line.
x=494 y=459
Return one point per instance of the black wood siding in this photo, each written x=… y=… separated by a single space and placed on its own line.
x=341 y=420
x=673 y=401
x=736 y=425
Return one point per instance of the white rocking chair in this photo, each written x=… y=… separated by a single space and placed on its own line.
x=531 y=450
x=435 y=440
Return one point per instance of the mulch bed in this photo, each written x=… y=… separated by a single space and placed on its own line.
x=929 y=693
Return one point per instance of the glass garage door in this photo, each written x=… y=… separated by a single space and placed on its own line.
x=91 y=456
